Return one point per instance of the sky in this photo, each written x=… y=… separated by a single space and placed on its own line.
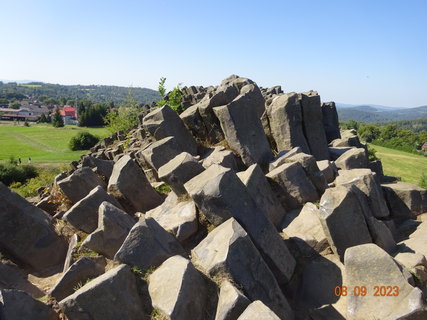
x=353 y=52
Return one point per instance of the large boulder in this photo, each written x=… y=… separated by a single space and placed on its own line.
x=352 y=159
x=27 y=233
x=405 y=200
x=307 y=227
x=158 y=153
x=313 y=125
x=260 y=190
x=148 y=245
x=417 y=240
x=282 y=157
x=178 y=216
x=330 y=121
x=285 y=117
x=164 y=122
x=343 y=220
x=309 y=164
x=365 y=181
x=243 y=130
x=229 y=250
x=84 y=214
x=19 y=305
x=258 y=310
x=389 y=295
x=103 y=167
x=220 y=156
x=112 y=296
x=179 y=291
x=113 y=227
x=129 y=184
x=292 y=186
x=219 y=194
x=231 y=302
x=194 y=122
x=80 y=183
x=178 y=171
x=328 y=169
x=79 y=272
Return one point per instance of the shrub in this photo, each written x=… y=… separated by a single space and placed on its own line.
x=10 y=173
x=83 y=141
x=372 y=154
x=57 y=120
x=122 y=119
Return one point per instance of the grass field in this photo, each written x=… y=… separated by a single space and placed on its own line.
x=397 y=163
x=43 y=143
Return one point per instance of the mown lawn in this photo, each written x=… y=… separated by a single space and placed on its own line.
x=402 y=164
x=43 y=143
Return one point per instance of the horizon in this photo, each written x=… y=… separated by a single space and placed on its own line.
x=356 y=51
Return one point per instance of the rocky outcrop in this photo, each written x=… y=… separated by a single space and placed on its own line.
x=330 y=121
x=27 y=233
x=94 y=299
x=130 y=186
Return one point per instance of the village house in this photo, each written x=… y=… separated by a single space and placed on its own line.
x=69 y=114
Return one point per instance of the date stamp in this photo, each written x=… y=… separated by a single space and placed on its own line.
x=362 y=291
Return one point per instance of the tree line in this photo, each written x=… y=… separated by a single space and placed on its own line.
x=389 y=135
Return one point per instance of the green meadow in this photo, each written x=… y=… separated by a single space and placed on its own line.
x=407 y=166
x=45 y=144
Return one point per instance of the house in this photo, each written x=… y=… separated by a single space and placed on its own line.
x=424 y=147
x=69 y=114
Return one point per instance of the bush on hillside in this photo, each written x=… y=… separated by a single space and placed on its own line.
x=11 y=173
x=83 y=141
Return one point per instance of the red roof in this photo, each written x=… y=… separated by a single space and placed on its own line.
x=424 y=146
x=68 y=111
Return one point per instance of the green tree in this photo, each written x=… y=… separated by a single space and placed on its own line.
x=83 y=141
x=14 y=105
x=369 y=132
x=43 y=118
x=122 y=119
x=57 y=120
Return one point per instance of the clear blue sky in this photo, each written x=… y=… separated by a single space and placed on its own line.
x=350 y=51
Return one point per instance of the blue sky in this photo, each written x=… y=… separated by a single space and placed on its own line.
x=350 y=51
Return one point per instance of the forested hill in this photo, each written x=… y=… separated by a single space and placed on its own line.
x=60 y=94
x=368 y=113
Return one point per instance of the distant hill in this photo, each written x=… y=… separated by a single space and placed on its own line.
x=96 y=93
x=375 y=113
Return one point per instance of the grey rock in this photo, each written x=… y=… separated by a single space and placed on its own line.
x=258 y=310
x=148 y=245
x=307 y=227
x=231 y=302
x=352 y=159
x=365 y=181
x=178 y=171
x=94 y=301
x=309 y=164
x=220 y=156
x=336 y=152
x=228 y=249
x=314 y=130
x=283 y=156
x=260 y=190
x=79 y=184
x=112 y=229
x=165 y=122
x=244 y=134
x=194 y=122
x=79 y=272
x=160 y=152
x=405 y=200
x=292 y=186
x=178 y=290
x=368 y=265
x=328 y=169
x=103 y=167
x=285 y=117
x=177 y=216
x=130 y=186
x=330 y=121
x=72 y=247
x=84 y=214
x=19 y=305
x=320 y=276
x=215 y=192
x=27 y=233
x=343 y=220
